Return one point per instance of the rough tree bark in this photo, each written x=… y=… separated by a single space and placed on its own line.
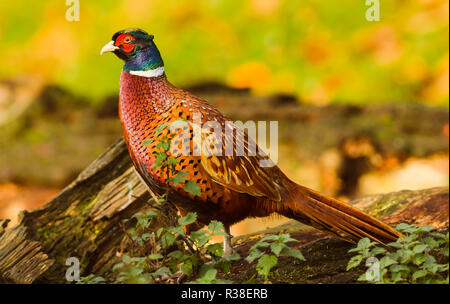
x=83 y=221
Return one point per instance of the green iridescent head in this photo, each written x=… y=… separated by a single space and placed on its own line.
x=136 y=48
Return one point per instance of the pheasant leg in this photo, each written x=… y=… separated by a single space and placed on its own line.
x=227 y=249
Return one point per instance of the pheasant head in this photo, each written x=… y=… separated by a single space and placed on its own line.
x=137 y=49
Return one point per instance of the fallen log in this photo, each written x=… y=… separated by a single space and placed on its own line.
x=83 y=221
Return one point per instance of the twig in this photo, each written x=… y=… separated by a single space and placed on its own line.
x=155 y=198
x=141 y=250
x=146 y=202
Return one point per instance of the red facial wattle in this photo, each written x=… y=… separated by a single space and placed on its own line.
x=126 y=41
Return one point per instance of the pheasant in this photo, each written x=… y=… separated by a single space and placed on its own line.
x=231 y=187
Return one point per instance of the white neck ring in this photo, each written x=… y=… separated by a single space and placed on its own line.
x=149 y=73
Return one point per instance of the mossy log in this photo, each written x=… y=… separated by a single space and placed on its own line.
x=84 y=221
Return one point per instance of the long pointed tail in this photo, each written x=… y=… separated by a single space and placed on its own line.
x=332 y=216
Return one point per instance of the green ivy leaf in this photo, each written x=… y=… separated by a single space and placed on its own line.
x=167 y=239
x=176 y=254
x=117 y=266
x=269 y=238
x=165 y=145
x=224 y=265
x=362 y=277
x=216 y=226
x=387 y=261
x=262 y=244
x=232 y=257
x=288 y=251
x=204 y=268
x=126 y=259
x=285 y=238
x=365 y=243
x=419 y=259
x=162 y=271
x=155 y=256
x=176 y=230
x=409 y=240
x=354 y=261
x=254 y=254
x=147 y=142
x=210 y=275
x=91 y=279
x=207 y=275
x=186 y=268
x=438 y=235
x=215 y=249
x=200 y=237
x=395 y=245
x=419 y=248
x=132 y=231
x=192 y=188
x=151 y=213
x=190 y=218
x=179 y=178
x=419 y=274
x=399 y=267
x=397 y=276
x=146 y=236
x=402 y=226
x=426 y=228
x=265 y=264
x=160 y=128
x=159 y=231
x=161 y=156
x=405 y=255
x=171 y=161
x=276 y=247
x=431 y=267
x=377 y=251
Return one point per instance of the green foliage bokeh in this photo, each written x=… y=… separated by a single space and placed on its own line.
x=320 y=51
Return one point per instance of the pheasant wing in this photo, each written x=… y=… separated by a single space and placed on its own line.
x=238 y=168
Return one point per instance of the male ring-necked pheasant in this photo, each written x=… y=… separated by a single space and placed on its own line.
x=232 y=187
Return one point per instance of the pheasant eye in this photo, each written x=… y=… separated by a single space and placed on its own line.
x=127 y=39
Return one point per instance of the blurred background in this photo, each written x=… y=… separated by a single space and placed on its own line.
x=362 y=106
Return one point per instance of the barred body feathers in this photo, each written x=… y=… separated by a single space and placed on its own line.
x=232 y=187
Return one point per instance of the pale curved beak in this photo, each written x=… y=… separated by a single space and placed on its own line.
x=109 y=47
